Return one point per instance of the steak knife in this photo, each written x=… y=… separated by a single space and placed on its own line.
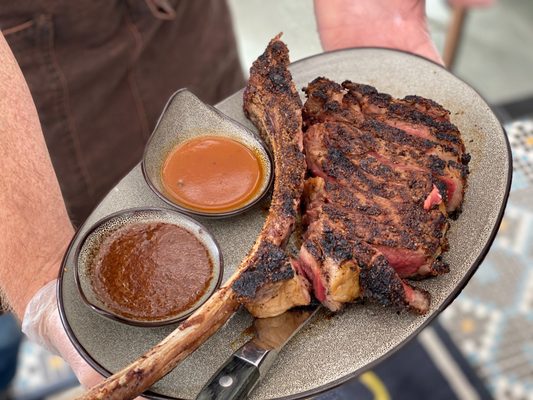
x=245 y=368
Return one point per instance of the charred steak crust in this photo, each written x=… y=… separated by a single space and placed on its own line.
x=417 y=118
x=270 y=263
x=386 y=175
x=272 y=103
x=376 y=279
x=381 y=284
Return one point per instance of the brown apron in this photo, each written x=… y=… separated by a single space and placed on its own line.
x=101 y=71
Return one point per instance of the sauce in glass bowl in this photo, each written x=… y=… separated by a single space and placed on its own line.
x=212 y=174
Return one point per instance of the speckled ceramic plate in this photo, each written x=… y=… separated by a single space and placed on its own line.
x=329 y=350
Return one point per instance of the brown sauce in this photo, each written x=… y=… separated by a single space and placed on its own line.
x=212 y=174
x=151 y=271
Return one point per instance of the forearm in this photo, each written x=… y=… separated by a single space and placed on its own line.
x=398 y=24
x=34 y=226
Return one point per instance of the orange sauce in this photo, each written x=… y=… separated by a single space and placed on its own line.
x=212 y=174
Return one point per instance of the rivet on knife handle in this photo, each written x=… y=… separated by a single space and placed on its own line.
x=233 y=381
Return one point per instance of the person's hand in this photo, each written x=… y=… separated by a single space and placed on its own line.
x=471 y=3
x=396 y=24
x=42 y=324
x=35 y=230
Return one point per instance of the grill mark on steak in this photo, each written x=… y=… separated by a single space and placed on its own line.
x=396 y=152
x=409 y=237
x=420 y=123
x=344 y=153
x=427 y=106
x=373 y=102
x=403 y=115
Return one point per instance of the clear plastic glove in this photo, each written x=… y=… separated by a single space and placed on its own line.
x=42 y=324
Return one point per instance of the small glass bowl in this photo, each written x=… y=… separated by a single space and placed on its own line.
x=186 y=117
x=93 y=239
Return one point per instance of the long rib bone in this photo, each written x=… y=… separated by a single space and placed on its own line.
x=273 y=104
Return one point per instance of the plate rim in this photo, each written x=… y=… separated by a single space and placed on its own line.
x=335 y=383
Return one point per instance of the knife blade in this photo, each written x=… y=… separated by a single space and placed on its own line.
x=244 y=369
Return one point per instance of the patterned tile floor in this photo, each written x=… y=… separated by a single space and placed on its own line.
x=40 y=373
x=492 y=320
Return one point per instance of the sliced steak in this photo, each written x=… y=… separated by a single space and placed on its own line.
x=386 y=173
x=344 y=268
x=410 y=238
x=420 y=125
x=427 y=120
